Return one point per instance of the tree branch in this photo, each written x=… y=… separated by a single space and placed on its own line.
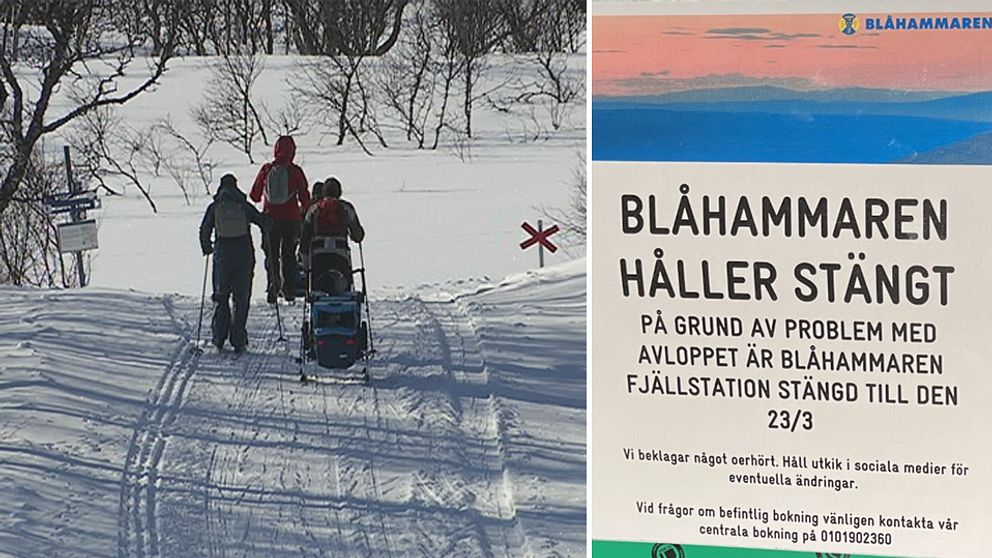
x=17 y=110
x=160 y=67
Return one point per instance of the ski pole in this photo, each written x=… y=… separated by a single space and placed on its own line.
x=279 y=321
x=365 y=287
x=203 y=296
x=271 y=269
x=305 y=325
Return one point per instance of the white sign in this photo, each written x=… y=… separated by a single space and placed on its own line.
x=790 y=268
x=792 y=357
x=77 y=237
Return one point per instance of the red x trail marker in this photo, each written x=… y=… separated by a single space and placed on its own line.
x=539 y=236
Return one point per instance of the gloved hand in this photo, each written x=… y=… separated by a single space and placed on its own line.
x=207 y=249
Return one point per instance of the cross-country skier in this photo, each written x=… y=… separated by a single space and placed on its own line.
x=282 y=187
x=227 y=219
x=324 y=239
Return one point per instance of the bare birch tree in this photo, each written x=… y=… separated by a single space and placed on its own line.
x=79 y=50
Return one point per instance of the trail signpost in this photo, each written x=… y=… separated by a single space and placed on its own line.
x=80 y=233
x=70 y=205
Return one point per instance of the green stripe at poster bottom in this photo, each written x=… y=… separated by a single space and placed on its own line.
x=618 y=549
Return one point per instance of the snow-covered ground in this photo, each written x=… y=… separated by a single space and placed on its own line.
x=117 y=440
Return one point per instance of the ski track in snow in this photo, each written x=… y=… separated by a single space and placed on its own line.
x=139 y=480
x=117 y=438
x=259 y=465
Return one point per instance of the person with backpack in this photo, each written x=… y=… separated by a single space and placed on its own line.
x=282 y=187
x=324 y=238
x=227 y=220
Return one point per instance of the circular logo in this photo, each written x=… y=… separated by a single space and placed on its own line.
x=848 y=24
x=665 y=550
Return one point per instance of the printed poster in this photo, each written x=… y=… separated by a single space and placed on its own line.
x=790 y=260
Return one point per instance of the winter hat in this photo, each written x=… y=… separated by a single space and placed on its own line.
x=228 y=181
x=332 y=188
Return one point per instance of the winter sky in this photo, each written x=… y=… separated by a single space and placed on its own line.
x=646 y=55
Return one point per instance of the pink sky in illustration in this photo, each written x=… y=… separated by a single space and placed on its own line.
x=645 y=55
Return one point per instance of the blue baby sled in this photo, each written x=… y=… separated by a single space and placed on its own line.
x=336 y=332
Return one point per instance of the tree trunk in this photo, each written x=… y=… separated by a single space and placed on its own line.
x=287 y=26
x=15 y=174
x=468 y=98
x=343 y=116
x=269 y=37
x=448 y=79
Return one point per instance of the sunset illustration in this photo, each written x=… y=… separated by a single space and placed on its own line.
x=646 y=55
x=820 y=88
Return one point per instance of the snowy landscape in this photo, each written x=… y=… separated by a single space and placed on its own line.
x=431 y=215
x=118 y=437
x=470 y=441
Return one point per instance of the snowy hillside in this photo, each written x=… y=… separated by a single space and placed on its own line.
x=430 y=215
x=116 y=439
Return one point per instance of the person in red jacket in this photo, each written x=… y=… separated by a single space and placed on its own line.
x=328 y=224
x=282 y=187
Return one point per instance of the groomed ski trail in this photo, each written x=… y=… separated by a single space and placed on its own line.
x=236 y=458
